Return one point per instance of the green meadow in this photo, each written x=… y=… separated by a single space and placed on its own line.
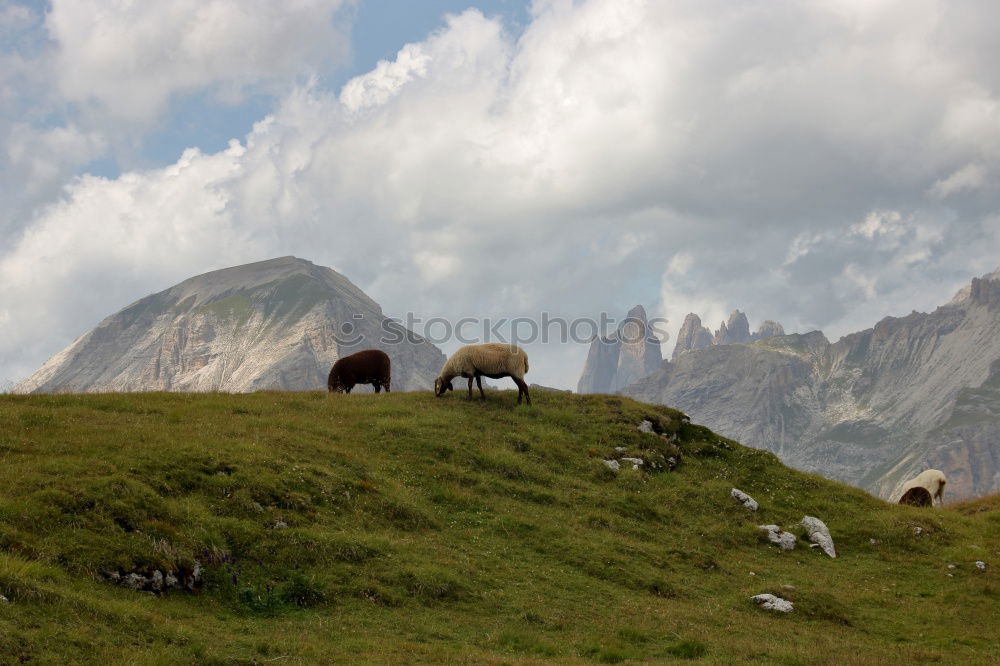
x=405 y=528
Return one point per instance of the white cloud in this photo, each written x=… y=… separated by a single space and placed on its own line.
x=969 y=177
x=129 y=58
x=775 y=158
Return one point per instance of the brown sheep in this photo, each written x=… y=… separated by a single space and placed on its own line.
x=369 y=366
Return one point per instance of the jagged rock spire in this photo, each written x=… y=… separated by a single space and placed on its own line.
x=622 y=358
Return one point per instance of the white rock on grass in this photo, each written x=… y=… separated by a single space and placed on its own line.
x=134 y=581
x=774 y=534
x=612 y=465
x=819 y=534
x=981 y=565
x=4 y=600
x=646 y=426
x=773 y=603
x=636 y=462
x=744 y=499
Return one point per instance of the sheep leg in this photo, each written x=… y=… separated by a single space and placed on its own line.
x=377 y=386
x=470 y=388
x=479 y=383
x=385 y=385
x=522 y=388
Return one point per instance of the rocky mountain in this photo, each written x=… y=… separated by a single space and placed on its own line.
x=620 y=359
x=277 y=324
x=736 y=331
x=872 y=409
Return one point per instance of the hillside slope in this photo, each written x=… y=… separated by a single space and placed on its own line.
x=871 y=409
x=276 y=324
x=407 y=528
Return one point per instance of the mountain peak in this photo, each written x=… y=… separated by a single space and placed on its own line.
x=963 y=294
x=278 y=323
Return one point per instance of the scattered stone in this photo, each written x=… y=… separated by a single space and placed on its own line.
x=134 y=581
x=776 y=536
x=191 y=581
x=671 y=463
x=788 y=587
x=170 y=581
x=281 y=525
x=646 y=426
x=950 y=575
x=981 y=565
x=4 y=600
x=612 y=465
x=872 y=541
x=773 y=603
x=619 y=449
x=819 y=534
x=744 y=499
x=918 y=530
x=952 y=566
x=752 y=573
x=636 y=462
x=156 y=581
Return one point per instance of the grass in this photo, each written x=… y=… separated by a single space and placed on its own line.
x=441 y=530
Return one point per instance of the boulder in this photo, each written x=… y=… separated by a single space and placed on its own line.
x=774 y=534
x=636 y=462
x=612 y=465
x=819 y=534
x=744 y=499
x=772 y=603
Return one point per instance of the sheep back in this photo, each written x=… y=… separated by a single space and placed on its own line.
x=492 y=358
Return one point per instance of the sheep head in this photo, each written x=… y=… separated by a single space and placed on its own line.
x=335 y=385
x=440 y=386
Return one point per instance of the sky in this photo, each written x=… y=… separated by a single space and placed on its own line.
x=821 y=163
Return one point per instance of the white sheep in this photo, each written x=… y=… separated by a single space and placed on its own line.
x=932 y=480
x=494 y=360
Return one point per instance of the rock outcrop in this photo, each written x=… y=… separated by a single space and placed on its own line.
x=734 y=331
x=622 y=358
x=767 y=329
x=873 y=409
x=693 y=335
x=277 y=324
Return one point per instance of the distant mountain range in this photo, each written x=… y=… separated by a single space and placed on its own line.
x=277 y=324
x=872 y=409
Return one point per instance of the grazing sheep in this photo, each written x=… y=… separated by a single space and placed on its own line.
x=932 y=480
x=493 y=360
x=369 y=366
x=918 y=496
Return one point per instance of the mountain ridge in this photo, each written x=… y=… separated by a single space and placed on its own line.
x=861 y=409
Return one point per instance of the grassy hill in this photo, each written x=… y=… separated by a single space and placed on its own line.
x=403 y=528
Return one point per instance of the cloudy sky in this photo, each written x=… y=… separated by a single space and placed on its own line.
x=821 y=163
